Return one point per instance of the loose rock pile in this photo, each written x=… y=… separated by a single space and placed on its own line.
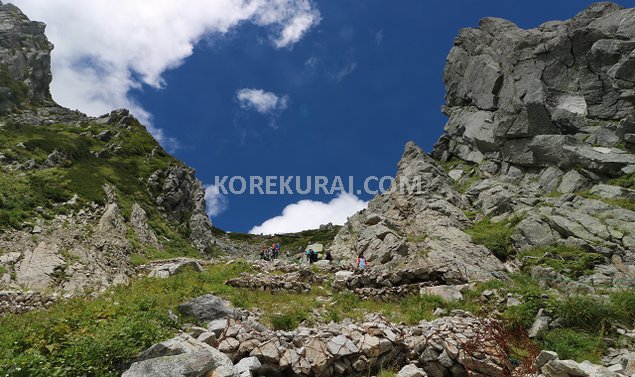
x=378 y=279
x=448 y=346
x=298 y=281
x=339 y=349
x=390 y=286
x=21 y=302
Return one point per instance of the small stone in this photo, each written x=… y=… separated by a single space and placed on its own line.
x=411 y=370
x=207 y=338
x=248 y=364
x=228 y=345
x=217 y=326
x=544 y=357
x=512 y=301
x=342 y=346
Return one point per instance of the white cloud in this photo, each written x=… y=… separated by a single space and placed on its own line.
x=105 y=48
x=216 y=203
x=296 y=28
x=261 y=101
x=310 y=214
x=344 y=71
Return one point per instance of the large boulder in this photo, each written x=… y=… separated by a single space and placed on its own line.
x=207 y=308
x=182 y=356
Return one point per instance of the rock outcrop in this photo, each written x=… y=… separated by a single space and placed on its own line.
x=559 y=95
x=540 y=122
x=180 y=195
x=419 y=221
x=25 y=60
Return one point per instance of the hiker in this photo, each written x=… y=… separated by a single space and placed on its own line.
x=308 y=255
x=361 y=261
x=313 y=256
x=328 y=256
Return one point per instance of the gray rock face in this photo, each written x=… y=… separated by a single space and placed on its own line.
x=38 y=266
x=557 y=95
x=139 y=222
x=182 y=197
x=418 y=222
x=25 y=60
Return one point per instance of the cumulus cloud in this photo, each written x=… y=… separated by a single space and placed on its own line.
x=215 y=201
x=106 y=48
x=310 y=214
x=261 y=101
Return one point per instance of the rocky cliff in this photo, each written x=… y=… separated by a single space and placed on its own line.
x=560 y=95
x=536 y=159
x=25 y=62
x=419 y=221
x=82 y=199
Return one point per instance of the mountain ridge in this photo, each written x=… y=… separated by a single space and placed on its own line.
x=514 y=255
x=100 y=191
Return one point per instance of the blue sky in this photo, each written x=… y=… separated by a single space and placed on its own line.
x=356 y=86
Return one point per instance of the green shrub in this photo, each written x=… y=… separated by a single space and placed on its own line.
x=574 y=344
x=623 y=305
x=567 y=260
x=138 y=259
x=19 y=90
x=497 y=237
x=521 y=316
x=286 y=321
x=583 y=312
x=419 y=307
x=626 y=181
x=242 y=236
x=597 y=314
x=620 y=202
